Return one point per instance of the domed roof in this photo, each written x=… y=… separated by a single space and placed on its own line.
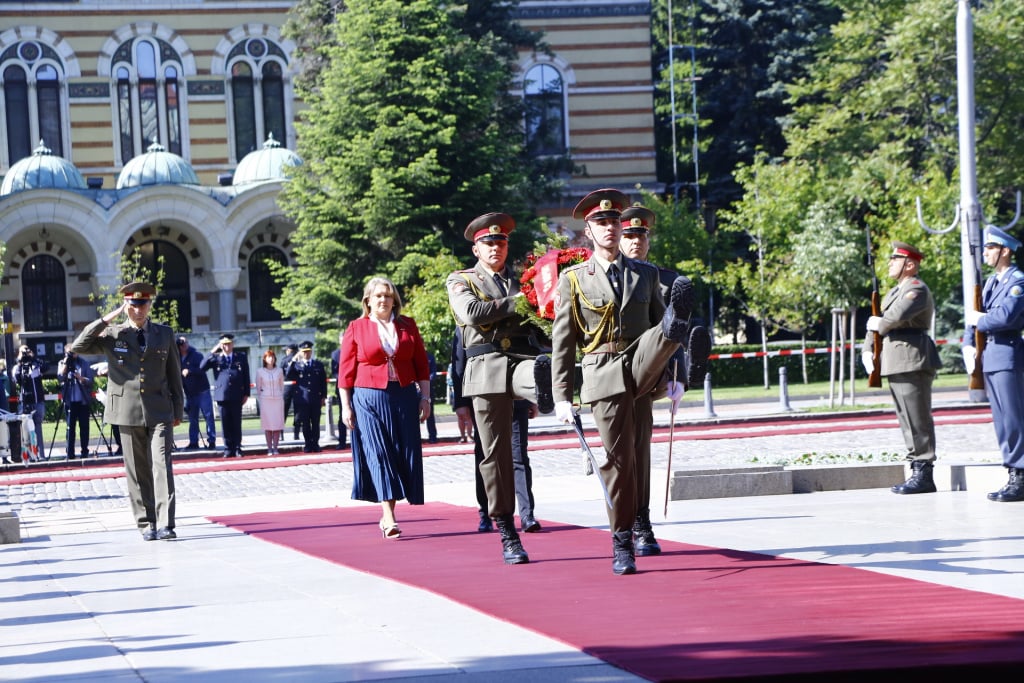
x=265 y=164
x=42 y=170
x=156 y=167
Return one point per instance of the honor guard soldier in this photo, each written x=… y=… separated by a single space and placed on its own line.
x=502 y=364
x=685 y=370
x=909 y=360
x=309 y=395
x=230 y=389
x=611 y=308
x=145 y=401
x=1002 y=361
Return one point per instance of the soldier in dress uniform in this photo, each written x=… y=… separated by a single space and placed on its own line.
x=309 y=395
x=503 y=363
x=1002 y=361
x=145 y=401
x=909 y=360
x=231 y=389
x=686 y=368
x=611 y=308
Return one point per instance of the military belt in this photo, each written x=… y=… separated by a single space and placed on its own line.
x=515 y=345
x=611 y=347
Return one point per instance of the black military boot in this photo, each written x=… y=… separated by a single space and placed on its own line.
x=542 y=379
x=643 y=535
x=623 y=560
x=697 y=351
x=681 y=298
x=511 y=547
x=920 y=480
x=1014 y=489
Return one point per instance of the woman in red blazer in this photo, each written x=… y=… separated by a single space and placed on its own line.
x=385 y=393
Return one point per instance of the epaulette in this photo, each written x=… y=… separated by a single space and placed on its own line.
x=1017 y=274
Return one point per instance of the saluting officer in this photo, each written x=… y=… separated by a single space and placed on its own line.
x=1002 y=361
x=145 y=401
x=909 y=360
x=309 y=395
x=230 y=389
x=502 y=364
x=611 y=308
x=685 y=368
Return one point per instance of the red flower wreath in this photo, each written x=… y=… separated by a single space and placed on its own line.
x=540 y=278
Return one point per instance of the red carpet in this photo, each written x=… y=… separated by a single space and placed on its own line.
x=695 y=613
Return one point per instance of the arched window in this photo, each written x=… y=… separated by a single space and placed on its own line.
x=258 y=94
x=160 y=256
x=147 y=77
x=544 y=100
x=44 y=294
x=263 y=288
x=33 y=100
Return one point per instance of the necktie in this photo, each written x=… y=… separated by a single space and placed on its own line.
x=615 y=278
x=142 y=339
x=501 y=284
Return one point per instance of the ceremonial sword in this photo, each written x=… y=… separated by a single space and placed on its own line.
x=578 y=425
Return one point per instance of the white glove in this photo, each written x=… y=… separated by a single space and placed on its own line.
x=675 y=391
x=972 y=317
x=867 y=358
x=563 y=412
x=970 y=355
x=873 y=322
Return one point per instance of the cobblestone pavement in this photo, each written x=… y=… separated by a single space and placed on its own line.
x=745 y=445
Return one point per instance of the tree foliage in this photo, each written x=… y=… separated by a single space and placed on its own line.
x=411 y=131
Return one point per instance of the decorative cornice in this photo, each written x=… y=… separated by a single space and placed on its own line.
x=78 y=91
x=580 y=10
x=198 y=88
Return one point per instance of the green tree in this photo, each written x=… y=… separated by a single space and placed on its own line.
x=411 y=132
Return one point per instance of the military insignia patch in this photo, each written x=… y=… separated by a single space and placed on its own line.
x=910 y=295
x=1016 y=291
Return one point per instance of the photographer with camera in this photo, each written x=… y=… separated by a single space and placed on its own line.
x=76 y=378
x=28 y=375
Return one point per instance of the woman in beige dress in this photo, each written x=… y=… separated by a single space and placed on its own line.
x=270 y=393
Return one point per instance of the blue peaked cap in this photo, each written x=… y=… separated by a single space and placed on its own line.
x=994 y=235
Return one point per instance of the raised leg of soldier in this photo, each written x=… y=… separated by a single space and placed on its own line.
x=652 y=352
x=531 y=381
x=493 y=413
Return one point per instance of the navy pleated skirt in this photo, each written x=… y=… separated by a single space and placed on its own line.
x=387 y=457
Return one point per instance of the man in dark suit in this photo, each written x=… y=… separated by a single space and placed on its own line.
x=611 y=308
x=289 y=389
x=909 y=360
x=310 y=394
x=502 y=364
x=1002 y=361
x=231 y=389
x=335 y=366
x=145 y=400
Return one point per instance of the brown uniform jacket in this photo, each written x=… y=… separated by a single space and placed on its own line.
x=143 y=389
x=906 y=318
x=492 y=331
x=587 y=317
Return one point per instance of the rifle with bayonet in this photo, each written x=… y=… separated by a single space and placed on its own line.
x=875 y=378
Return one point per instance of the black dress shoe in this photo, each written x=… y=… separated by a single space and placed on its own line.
x=485 y=524
x=165 y=534
x=149 y=534
x=529 y=525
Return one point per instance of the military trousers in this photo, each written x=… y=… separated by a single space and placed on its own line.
x=493 y=413
x=912 y=395
x=625 y=422
x=147 y=464
x=1006 y=397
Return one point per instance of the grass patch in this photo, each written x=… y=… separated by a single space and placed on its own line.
x=813 y=459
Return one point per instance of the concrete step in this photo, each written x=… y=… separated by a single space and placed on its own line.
x=696 y=483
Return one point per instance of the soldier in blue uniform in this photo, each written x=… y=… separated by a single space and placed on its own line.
x=1002 y=361
x=231 y=389
x=309 y=395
